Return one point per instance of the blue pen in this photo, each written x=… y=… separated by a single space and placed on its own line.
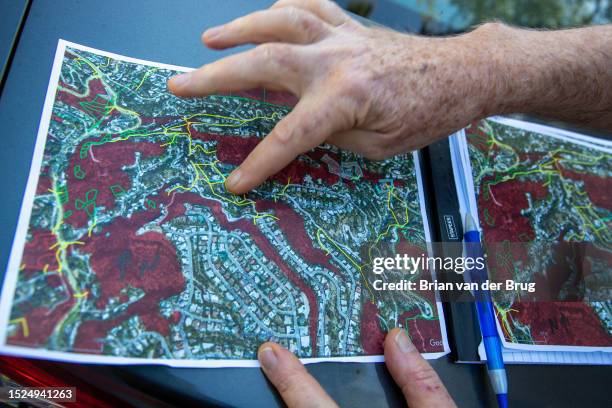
x=486 y=317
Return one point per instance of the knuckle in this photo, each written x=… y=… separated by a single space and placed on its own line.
x=239 y=23
x=391 y=138
x=352 y=93
x=279 y=3
x=287 y=133
x=376 y=153
x=289 y=382
x=263 y=51
x=317 y=4
x=313 y=28
x=354 y=26
x=353 y=84
x=273 y=52
x=297 y=136
x=304 y=22
x=424 y=380
x=283 y=133
x=292 y=14
x=279 y=59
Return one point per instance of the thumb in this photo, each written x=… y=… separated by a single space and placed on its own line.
x=304 y=128
x=296 y=387
x=419 y=382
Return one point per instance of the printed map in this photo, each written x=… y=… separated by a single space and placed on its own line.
x=135 y=249
x=541 y=189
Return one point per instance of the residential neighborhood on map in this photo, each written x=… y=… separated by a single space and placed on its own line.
x=134 y=248
x=539 y=189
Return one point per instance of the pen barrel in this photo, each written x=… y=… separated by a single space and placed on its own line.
x=473 y=250
x=490 y=337
x=486 y=315
x=487 y=319
x=494 y=359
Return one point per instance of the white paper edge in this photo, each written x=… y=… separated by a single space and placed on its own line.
x=10 y=279
x=548 y=131
x=573 y=137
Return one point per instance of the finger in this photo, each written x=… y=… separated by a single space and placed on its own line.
x=287 y=24
x=419 y=382
x=363 y=142
x=307 y=126
x=271 y=66
x=295 y=385
x=326 y=10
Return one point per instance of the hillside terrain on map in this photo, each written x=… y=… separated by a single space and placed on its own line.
x=538 y=189
x=135 y=249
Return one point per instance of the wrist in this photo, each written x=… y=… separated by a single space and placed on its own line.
x=561 y=74
x=504 y=78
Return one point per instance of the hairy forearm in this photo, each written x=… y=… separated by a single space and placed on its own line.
x=380 y=93
x=565 y=75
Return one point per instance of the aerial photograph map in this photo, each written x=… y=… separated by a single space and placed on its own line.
x=130 y=247
x=540 y=189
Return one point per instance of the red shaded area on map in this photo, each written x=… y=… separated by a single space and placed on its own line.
x=100 y=174
x=501 y=219
x=372 y=336
x=425 y=334
x=424 y=331
x=572 y=323
x=94 y=100
x=294 y=229
x=598 y=188
x=147 y=261
x=39 y=253
x=234 y=149
x=44 y=185
x=503 y=208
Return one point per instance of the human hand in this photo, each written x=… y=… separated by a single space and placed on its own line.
x=419 y=383
x=373 y=91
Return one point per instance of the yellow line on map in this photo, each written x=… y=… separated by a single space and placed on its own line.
x=24 y=325
x=81 y=295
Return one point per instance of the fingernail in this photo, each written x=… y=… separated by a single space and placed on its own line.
x=403 y=342
x=180 y=80
x=267 y=358
x=233 y=179
x=212 y=33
